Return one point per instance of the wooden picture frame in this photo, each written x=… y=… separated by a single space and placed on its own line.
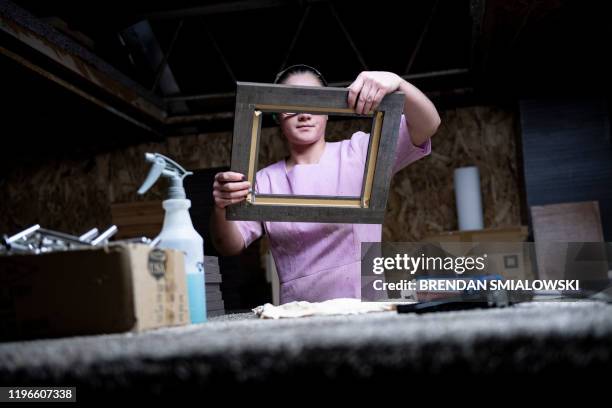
x=253 y=99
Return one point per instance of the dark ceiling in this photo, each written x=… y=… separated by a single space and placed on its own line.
x=458 y=51
x=255 y=38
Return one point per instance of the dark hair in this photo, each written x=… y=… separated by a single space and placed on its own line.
x=298 y=69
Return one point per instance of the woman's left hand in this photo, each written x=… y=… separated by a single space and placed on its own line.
x=370 y=87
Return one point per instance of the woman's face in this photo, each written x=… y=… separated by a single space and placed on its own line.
x=303 y=128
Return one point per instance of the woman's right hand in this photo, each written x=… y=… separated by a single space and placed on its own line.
x=230 y=188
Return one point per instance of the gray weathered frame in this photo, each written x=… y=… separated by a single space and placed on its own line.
x=253 y=99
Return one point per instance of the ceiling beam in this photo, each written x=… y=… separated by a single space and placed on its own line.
x=161 y=67
x=226 y=95
x=348 y=37
x=221 y=56
x=37 y=46
x=422 y=36
x=184 y=119
x=477 y=13
x=223 y=8
x=145 y=53
x=455 y=93
x=295 y=37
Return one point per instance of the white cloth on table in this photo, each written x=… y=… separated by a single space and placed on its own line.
x=341 y=306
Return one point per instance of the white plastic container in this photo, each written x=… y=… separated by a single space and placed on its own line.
x=468 y=197
x=178 y=233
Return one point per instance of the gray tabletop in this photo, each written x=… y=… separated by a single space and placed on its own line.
x=243 y=350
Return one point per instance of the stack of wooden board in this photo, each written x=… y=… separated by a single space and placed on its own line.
x=138 y=219
x=214 y=298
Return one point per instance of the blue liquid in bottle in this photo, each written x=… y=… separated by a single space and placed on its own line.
x=197 y=297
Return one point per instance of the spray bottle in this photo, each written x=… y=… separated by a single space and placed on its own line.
x=178 y=232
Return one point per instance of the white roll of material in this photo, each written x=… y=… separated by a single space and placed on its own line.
x=468 y=198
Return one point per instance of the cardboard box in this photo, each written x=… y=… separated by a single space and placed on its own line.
x=512 y=260
x=117 y=288
x=507 y=253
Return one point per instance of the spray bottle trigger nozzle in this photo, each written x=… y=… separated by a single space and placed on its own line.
x=155 y=172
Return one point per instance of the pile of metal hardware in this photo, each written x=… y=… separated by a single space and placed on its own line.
x=38 y=240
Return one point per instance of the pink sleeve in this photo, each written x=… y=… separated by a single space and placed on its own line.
x=250 y=231
x=359 y=143
x=406 y=152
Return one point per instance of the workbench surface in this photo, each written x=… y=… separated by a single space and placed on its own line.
x=241 y=350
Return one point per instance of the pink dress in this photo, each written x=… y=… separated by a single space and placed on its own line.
x=320 y=261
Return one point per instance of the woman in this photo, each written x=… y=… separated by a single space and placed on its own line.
x=319 y=261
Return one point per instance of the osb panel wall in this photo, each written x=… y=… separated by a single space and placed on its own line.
x=422 y=198
x=74 y=196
